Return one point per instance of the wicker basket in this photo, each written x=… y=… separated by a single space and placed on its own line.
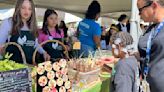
x=20 y=49
x=50 y=41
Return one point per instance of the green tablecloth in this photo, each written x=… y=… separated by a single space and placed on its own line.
x=102 y=86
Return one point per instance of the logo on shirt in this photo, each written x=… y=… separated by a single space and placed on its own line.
x=22 y=40
x=82 y=32
x=54 y=46
x=85 y=25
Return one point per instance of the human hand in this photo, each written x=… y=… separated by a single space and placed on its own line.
x=46 y=56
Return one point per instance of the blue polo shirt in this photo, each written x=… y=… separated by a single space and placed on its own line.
x=88 y=28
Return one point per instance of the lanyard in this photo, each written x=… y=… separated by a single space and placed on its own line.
x=152 y=35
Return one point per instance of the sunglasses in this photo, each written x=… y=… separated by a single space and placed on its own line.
x=147 y=5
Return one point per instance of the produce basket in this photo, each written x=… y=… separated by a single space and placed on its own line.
x=50 y=41
x=20 y=49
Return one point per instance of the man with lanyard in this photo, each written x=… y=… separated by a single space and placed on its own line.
x=151 y=43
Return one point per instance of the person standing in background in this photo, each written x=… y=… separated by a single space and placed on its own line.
x=89 y=32
x=113 y=29
x=122 y=25
x=63 y=27
x=103 y=41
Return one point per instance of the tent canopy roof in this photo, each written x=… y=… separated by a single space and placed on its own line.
x=76 y=6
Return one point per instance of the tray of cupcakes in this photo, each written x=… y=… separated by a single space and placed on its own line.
x=53 y=77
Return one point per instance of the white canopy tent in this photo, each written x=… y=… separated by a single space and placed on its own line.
x=79 y=7
x=76 y=6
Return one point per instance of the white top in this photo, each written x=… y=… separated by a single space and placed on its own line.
x=123 y=27
x=5 y=30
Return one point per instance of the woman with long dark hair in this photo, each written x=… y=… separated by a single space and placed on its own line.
x=64 y=28
x=50 y=31
x=22 y=29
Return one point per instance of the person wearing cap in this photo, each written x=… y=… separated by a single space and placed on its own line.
x=113 y=29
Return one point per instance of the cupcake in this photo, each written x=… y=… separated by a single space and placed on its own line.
x=62 y=89
x=59 y=82
x=56 y=66
x=67 y=84
x=48 y=66
x=65 y=78
x=42 y=81
x=62 y=63
x=52 y=84
x=40 y=70
x=54 y=90
x=46 y=89
x=50 y=75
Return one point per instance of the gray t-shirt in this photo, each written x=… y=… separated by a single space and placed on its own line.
x=156 y=72
x=126 y=77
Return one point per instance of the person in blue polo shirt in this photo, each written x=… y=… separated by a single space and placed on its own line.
x=90 y=31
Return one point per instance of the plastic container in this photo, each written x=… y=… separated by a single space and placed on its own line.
x=89 y=77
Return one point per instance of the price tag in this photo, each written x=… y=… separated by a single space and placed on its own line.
x=77 y=46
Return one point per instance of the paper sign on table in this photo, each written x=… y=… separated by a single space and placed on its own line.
x=77 y=46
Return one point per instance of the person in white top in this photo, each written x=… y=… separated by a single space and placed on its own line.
x=122 y=25
x=22 y=29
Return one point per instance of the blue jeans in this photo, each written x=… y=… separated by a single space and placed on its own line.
x=86 y=50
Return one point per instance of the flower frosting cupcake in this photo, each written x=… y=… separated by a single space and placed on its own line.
x=56 y=66
x=48 y=66
x=46 y=89
x=63 y=63
x=67 y=84
x=50 y=75
x=62 y=89
x=52 y=84
x=42 y=81
x=59 y=81
x=40 y=70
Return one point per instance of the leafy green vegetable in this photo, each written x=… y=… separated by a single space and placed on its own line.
x=7 y=65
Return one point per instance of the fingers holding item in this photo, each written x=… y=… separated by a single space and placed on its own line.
x=46 y=56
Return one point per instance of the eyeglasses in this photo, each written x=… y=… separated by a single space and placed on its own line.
x=148 y=4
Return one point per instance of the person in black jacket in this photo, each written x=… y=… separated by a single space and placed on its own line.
x=122 y=25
